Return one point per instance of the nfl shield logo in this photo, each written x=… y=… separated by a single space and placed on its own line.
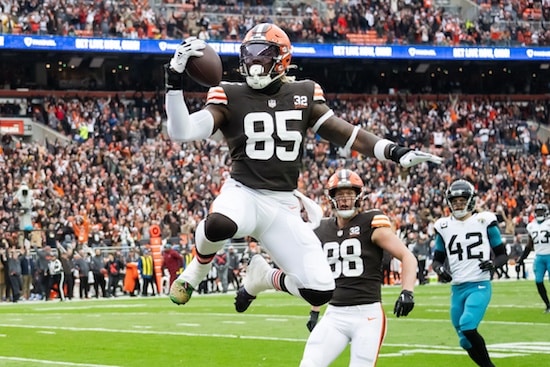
x=271 y=103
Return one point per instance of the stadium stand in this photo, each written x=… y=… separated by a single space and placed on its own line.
x=308 y=21
x=113 y=165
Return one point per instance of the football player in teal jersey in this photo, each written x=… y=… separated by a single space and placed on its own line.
x=264 y=122
x=466 y=239
x=539 y=240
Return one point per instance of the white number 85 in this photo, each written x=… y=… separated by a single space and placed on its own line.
x=266 y=150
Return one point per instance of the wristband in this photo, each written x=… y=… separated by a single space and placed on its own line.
x=380 y=149
x=172 y=79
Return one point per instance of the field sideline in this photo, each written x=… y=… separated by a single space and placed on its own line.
x=128 y=332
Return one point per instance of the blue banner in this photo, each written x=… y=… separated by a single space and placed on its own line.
x=397 y=52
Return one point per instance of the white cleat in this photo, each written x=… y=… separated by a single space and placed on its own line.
x=258 y=276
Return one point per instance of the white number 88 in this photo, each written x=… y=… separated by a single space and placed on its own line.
x=344 y=258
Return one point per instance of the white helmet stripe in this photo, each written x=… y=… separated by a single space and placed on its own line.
x=260 y=31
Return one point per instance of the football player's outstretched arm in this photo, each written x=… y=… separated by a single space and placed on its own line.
x=342 y=133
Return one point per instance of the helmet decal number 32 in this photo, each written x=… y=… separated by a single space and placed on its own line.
x=260 y=144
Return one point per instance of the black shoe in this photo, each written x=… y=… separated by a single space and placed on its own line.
x=243 y=300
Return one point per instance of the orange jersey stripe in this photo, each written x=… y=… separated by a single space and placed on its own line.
x=382 y=334
x=318 y=94
x=216 y=95
x=380 y=221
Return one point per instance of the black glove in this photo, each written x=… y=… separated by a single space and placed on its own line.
x=444 y=274
x=486 y=265
x=404 y=304
x=172 y=79
x=397 y=151
x=313 y=317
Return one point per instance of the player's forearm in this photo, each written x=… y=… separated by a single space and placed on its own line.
x=315 y=308
x=374 y=146
x=524 y=255
x=500 y=256
x=408 y=273
x=183 y=126
x=365 y=142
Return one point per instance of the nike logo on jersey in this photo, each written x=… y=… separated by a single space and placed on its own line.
x=371 y=318
x=481 y=287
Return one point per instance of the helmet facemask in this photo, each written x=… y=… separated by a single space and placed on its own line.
x=260 y=63
x=541 y=212
x=348 y=198
x=460 y=213
x=345 y=192
x=461 y=189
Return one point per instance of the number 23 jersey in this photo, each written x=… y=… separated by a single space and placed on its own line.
x=466 y=243
x=540 y=235
x=355 y=261
x=265 y=132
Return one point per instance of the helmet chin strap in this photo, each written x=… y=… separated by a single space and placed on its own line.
x=346 y=214
x=256 y=80
x=459 y=214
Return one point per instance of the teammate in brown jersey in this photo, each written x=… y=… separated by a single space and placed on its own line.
x=353 y=242
x=264 y=122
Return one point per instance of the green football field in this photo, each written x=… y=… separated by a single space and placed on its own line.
x=207 y=332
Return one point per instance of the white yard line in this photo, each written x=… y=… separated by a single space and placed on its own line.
x=54 y=363
x=150 y=332
x=504 y=350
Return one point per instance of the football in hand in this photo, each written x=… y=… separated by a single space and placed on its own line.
x=206 y=70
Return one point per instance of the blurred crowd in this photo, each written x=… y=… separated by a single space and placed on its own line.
x=118 y=175
x=504 y=22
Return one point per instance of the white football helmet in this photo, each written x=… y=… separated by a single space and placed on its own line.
x=541 y=212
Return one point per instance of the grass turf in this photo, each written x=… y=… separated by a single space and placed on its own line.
x=207 y=332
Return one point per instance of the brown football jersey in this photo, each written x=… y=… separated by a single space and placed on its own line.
x=356 y=262
x=265 y=132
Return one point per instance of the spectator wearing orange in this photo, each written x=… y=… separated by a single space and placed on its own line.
x=81 y=228
x=131 y=277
